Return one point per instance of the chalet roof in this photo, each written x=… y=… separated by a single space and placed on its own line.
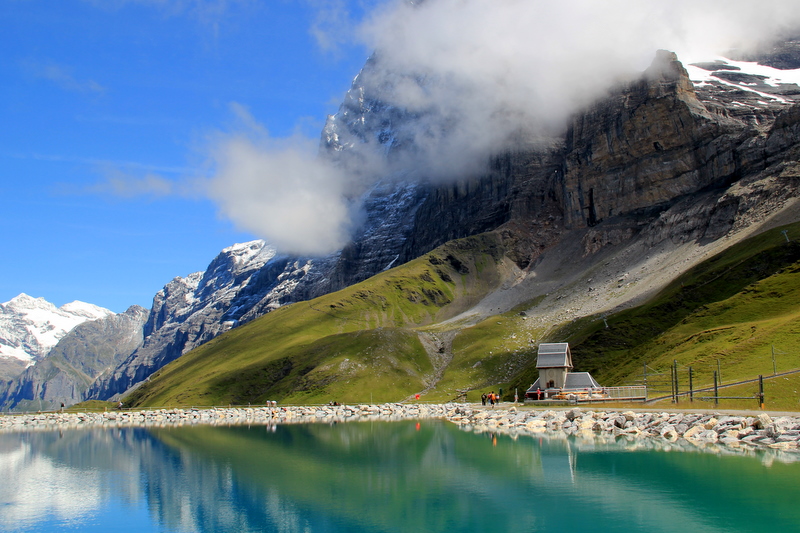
x=554 y=355
x=580 y=380
x=574 y=380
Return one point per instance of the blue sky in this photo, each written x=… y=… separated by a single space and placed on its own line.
x=97 y=93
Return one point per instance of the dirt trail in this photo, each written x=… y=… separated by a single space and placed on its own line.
x=439 y=346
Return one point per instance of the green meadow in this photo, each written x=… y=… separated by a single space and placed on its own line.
x=728 y=315
x=735 y=314
x=359 y=344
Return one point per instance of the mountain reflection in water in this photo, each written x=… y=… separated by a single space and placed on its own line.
x=376 y=476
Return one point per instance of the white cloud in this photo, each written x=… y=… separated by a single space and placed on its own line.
x=119 y=183
x=490 y=68
x=476 y=73
x=281 y=191
x=336 y=21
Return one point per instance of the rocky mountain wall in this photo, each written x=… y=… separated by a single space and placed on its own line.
x=644 y=147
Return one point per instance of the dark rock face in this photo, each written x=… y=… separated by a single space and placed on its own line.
x=79 y=358
x=650 y=144
x=655 y=142
x=518 y=192
x=659 y=153
x=190 y=311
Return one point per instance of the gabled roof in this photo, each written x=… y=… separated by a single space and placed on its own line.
x=574 y=380
x=580 y=380
x=554 y=355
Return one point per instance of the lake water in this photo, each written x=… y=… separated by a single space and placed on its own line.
x=429 y=476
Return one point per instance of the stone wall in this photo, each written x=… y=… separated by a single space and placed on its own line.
x=696 y=430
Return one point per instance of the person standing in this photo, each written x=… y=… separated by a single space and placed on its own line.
x=483 y=399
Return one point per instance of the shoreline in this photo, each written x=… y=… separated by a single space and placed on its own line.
x=699 y=428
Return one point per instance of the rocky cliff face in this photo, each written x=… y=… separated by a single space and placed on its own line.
x=661 y=159
x=642 y=148
x=192 y=310
x=656 y=142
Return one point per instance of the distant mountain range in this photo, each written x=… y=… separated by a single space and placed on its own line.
x=30 y=327
x=638 y=188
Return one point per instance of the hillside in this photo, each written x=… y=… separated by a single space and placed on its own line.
x=726 y=314
x=358 y=344
x=731 y=307
x=639 y=188
x=406 y=331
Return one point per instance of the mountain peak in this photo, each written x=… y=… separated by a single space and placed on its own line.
x=30 y=327
x=24 y=301
x=90 y=311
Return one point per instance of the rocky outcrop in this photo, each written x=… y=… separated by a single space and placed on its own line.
x=644 y=147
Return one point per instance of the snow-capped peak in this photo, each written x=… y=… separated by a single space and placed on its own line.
x=254 y=253
x=30 y=327
x=90 y=311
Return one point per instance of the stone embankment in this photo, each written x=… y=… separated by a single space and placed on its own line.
x=226 y=415
x=696 y=428
x=760 y=431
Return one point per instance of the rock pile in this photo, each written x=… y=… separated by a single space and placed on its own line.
x=695 y=428
x=761 y=431
x=230 y=415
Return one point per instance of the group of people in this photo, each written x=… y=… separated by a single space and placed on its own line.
x=492 y=398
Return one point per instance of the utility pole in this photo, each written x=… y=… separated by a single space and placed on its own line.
x=775 y=360
x=716 y=390
x=691 y=386
x=675 y=373
x=672 y=383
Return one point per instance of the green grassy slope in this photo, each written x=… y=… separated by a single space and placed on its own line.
x=353 y=345
x=733 y=308
x=362 y=344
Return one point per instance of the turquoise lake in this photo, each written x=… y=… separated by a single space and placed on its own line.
x=429 y=476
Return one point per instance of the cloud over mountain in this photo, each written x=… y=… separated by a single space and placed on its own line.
x=473 y=76
x=486 y=70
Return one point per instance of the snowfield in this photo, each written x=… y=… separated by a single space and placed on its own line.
x=30 y=327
